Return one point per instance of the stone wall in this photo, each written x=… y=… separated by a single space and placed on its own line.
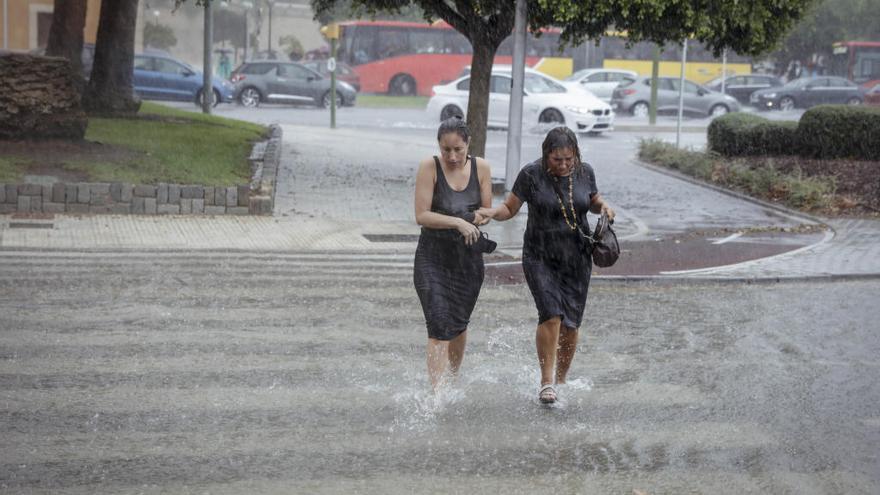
x=39 y=98
x=256 y=198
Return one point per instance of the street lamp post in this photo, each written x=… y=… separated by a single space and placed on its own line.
x=270 y=27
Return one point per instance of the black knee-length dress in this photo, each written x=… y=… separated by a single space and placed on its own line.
x=448 y=274
x=556 y=268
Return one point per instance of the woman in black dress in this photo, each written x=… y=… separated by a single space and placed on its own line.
x=448 y=270
x=559 y=189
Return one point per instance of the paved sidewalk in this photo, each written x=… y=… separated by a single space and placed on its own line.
x=330 y=207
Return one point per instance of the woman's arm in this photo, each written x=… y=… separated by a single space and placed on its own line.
x=599 y=206
x=424 y=195
x=484 y=174
x=505 y=211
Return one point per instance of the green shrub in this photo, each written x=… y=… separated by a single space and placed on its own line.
x=840 y=131
x=757 y=178
x=743 y=134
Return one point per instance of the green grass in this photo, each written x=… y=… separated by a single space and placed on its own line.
x=385 y=101
x=11 y=168
x=160 y=144
x=184 y=148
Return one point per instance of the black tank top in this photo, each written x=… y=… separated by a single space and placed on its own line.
x=448 y=201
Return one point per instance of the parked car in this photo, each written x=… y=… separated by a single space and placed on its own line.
x=545 y=100
x=344 y=72
x=872 y=96
x=742 y=87
x=601 y=82
x=269 y=81
x=806 y=92
x=161 y=77
x=634 y=97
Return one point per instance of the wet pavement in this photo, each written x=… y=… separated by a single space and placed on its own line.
x=286 y=354
x=131 y=372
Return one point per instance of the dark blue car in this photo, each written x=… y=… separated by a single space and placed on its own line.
x=160 y=77
x=807 y=92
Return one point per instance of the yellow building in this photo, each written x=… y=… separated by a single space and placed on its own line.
x=25 y=24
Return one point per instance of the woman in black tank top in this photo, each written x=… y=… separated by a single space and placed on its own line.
x=448 y=271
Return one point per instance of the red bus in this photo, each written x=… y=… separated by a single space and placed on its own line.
x=858 y=61
x=409 y=58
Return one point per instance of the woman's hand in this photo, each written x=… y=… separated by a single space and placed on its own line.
x=607 y=210
x=480 y=219
x=469 y=231
x=487 y=213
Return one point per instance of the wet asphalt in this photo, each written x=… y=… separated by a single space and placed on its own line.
x=267 y=373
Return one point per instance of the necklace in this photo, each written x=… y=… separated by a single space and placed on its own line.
x=573 y=223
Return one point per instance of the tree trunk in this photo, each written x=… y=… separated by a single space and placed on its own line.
x=110 y=89
x=478 y=103
x=66 y=33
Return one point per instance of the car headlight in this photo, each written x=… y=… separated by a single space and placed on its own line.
x=345 y=85
x=580 y=110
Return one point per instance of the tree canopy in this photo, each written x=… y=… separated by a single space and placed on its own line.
x=829 y=21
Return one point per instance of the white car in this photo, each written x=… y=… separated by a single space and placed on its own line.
x=545 y=101
x=601 y=82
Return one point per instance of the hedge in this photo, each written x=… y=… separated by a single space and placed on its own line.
x=743 y=134
x=840 y=131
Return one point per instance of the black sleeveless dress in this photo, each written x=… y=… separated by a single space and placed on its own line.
x=556 y=268
x=448 y=274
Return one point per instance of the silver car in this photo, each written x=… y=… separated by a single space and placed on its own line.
x=601 y=82
x=269 y=81
x=634 y=97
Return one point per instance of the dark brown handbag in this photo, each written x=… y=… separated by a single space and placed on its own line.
x=602 y=244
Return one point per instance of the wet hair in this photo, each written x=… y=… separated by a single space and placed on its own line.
x=560 y=138
x=456 y=125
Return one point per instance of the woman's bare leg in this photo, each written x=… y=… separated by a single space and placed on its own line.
x=444 y=358
x=568 y=339
x=546 y=340
x=456 y=352
x=438 y=360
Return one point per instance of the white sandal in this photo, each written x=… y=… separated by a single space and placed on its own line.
x=547 y=395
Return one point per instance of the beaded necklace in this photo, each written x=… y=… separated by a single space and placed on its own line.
x=573 y=223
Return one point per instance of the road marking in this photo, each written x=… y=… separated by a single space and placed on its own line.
x=829 y=234
x=728 y=238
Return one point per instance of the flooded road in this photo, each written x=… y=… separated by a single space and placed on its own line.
x=304 y=373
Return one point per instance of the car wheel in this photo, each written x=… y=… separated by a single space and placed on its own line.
x=326 y=101
x=214 y=102
x=718 y=110
x=450 y=111
x=402 y=85
x=250 y=97
x=853 y=101
x=639 y=109
x=786 y=103
x=551 y=116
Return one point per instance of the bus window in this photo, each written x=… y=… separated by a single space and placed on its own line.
x=392 y=42
x=363 y=44
x=426 y=41
x=456 y=42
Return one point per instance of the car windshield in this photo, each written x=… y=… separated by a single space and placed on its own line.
x=577 y=75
